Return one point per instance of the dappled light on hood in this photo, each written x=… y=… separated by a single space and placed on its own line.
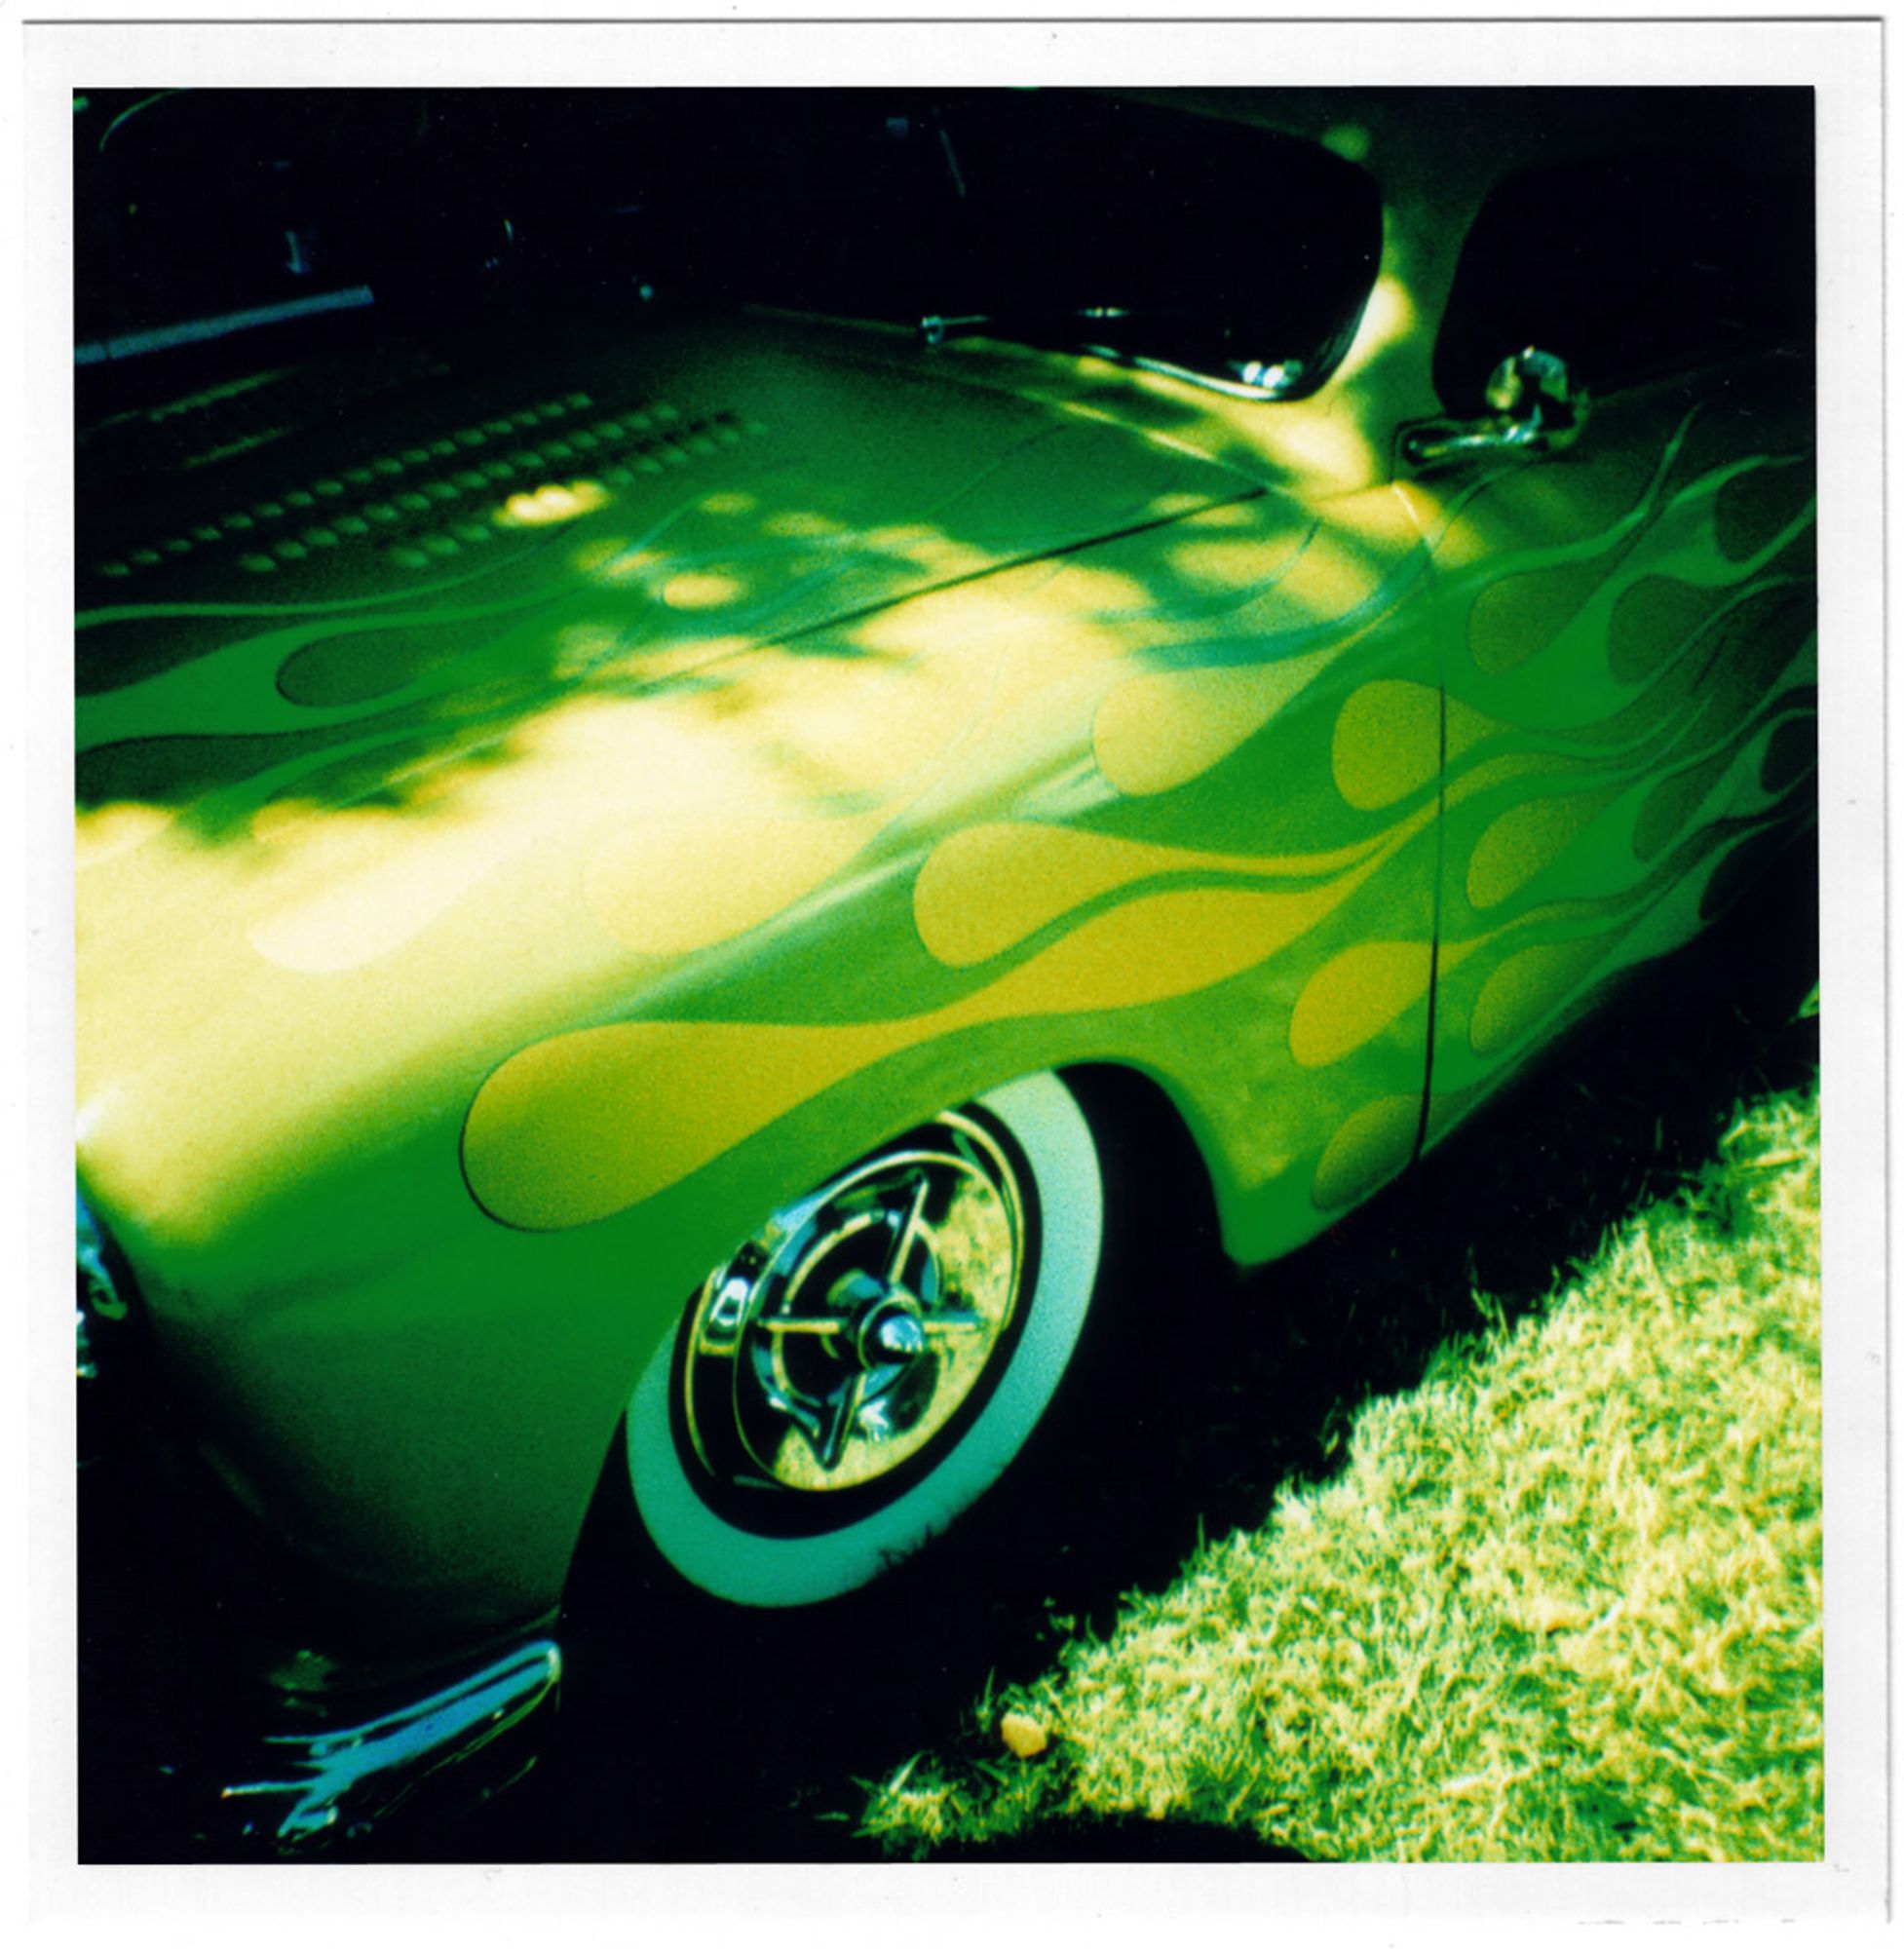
x=551 y=503
x=104 y=830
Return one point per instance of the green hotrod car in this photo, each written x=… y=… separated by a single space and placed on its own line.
x=602 y=842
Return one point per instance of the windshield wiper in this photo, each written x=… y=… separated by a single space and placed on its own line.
x=1082 y=327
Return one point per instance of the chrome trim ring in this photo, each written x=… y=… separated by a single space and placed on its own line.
x=844 y=1337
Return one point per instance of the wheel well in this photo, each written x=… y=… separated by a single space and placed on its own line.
x=1145 y=1143
x=1146 y=1139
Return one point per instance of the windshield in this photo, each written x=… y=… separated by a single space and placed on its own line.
x=1055 y=215
x=1148 y=232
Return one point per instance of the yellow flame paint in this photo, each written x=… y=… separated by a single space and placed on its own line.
x=1354 y=997
x=1159 y=731
x=988 y=887
x=1525 y=839
x=1388 y=743
x=1372 y=1145
x=551 y=1143
x=1388 y=739
x=1525 y=987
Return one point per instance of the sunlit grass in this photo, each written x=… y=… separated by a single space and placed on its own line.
x=1562 y=1603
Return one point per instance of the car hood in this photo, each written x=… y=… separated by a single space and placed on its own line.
x=500 y=712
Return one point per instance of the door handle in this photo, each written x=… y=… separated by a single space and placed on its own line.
x=1536 y=405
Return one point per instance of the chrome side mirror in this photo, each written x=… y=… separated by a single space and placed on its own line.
x=1537 y=407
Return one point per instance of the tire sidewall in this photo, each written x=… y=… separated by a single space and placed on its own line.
x=744 y=1567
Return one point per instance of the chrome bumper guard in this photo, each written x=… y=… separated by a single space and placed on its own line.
x=101 y=1317
x=340 y=1782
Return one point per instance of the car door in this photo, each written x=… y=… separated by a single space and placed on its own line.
x=1624 y=543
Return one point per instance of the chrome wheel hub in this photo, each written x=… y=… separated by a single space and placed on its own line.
x=888 y=1323
x=847 y=1335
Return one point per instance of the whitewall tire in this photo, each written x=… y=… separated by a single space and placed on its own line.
x=869 y=1362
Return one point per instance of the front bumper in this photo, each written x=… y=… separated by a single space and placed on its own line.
x=209 y=1728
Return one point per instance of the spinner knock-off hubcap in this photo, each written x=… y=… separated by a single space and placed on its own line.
x=844 y=1338
x=887 y=1322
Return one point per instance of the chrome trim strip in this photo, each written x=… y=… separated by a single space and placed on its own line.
x=162 y=338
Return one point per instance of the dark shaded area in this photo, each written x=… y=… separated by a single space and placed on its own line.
x=1636 y=268
x=693 y=1733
